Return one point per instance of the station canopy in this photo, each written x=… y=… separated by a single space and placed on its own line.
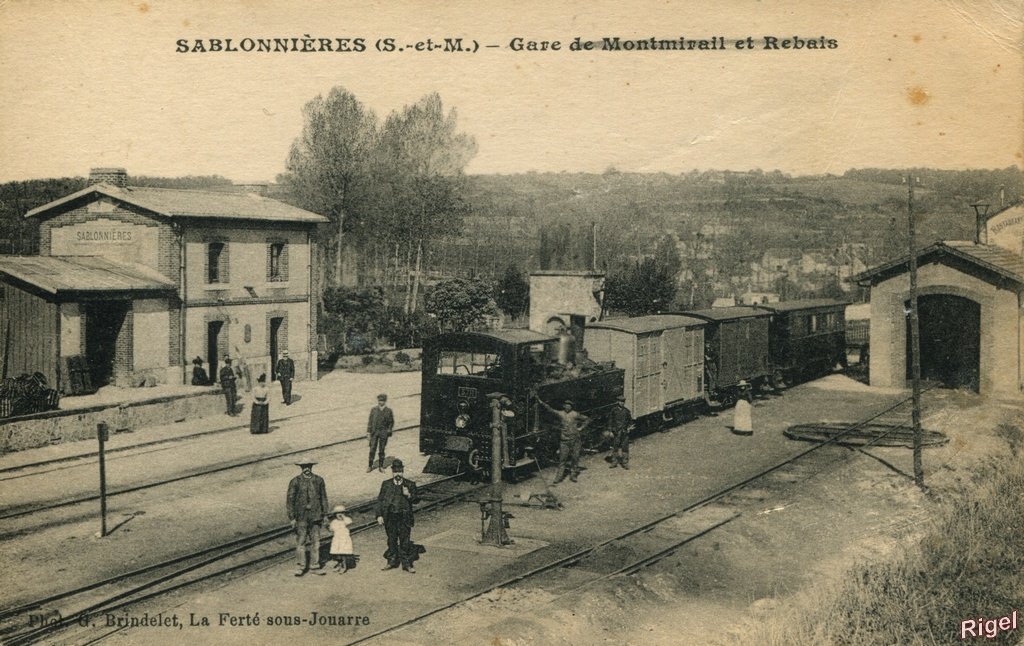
x=67 y=274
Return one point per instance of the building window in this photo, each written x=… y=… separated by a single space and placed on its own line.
x=216 y=263
x=277 y=262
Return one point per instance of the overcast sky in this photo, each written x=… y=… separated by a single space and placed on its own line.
x=914 y=83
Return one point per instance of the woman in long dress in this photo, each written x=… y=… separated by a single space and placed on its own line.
x=259 y=422
x=742 y=420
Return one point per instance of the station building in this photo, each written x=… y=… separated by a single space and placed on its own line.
x=140 y=280
x=970 y=300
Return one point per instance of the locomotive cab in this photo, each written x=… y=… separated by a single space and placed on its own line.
x=461 y=373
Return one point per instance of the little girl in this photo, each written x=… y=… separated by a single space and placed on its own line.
x=341 y=544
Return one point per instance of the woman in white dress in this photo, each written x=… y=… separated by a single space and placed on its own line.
x=341 y=544
x=742 y=420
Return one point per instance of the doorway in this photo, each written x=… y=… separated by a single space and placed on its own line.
x=275 y=344
x=950 y=340
x=104 y=323
x=213 y=332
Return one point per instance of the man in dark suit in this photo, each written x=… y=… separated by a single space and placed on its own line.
x=285 y=370
x=379 y=428
x=394 y=512
x=227 y=382
x=307 y=509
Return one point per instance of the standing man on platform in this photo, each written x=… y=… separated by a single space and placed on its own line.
x=379 y=428
x=285 y=373
x=620 y=421
x=571 y=439
x=227 y=382
x=394 y=511
x=307 y=509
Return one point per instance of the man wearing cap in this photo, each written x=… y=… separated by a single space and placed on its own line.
x=227 y=383
x=379 y=428
x=285 y=370
x=570 y=445
x=394 y=511
x=307 y=509
x=620 y=421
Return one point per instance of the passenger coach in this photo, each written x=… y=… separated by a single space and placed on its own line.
x=806 y=338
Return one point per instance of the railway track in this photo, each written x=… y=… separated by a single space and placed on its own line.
x=87 y=458
x=644 y=545
x=82 y=611
x=7 y=514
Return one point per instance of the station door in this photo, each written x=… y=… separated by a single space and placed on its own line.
x=950 y=340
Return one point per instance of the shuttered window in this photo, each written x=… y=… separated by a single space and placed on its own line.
x=277 y=262
x=217 y=263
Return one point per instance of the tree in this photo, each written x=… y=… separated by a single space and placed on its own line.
x=329 y=166
x=461 y=304
x=645 y=287
x=421 y=160
x=512 y=293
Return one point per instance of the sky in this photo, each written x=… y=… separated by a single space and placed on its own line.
x=916 y=83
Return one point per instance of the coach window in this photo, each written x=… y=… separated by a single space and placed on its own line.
x=214 y=263
x=467 y=363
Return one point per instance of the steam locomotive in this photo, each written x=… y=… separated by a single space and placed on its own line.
x=666 y=366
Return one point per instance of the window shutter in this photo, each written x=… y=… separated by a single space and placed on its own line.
x=225 y=264
x=283 y=263
x=270 y=259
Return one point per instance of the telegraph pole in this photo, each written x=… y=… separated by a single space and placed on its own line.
x=915 y=341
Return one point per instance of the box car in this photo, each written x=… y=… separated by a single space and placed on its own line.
x=807 y=338
x=662 y=356
x=735 y=349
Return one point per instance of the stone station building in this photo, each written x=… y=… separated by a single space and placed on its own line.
x=140 y=280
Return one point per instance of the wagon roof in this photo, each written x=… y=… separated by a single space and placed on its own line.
x=806 y=304
x=644 y=324
x=512 y=336
x=727 y=313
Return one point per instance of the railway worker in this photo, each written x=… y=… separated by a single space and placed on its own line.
x=394 y=511
x=570 y=443
x=379 y=429
x=307 y=509
x=620 y=421
x=742 y=421
x=228 y=383
x=285 y=370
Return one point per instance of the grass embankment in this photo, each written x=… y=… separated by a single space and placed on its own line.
x=969 y=563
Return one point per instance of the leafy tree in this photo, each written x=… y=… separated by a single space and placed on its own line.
x=330 y=163
x=461 y=304
x=645 y=287
x=350 y=312
x=18 y=235
x=667 y=255
x=419 y=176
x=512 y=293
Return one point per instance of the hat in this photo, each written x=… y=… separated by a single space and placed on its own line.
x=743 y=383
x=397 y=466
x=382 y=397
x=285 y=353
x=620 y=398
x=306 y=463
x=568 y=401
x=227 y=359
x=261 y=378
x=338 y=509
x=197 y=360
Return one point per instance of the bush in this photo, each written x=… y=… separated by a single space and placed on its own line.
x=403 y=358
x=368 y=359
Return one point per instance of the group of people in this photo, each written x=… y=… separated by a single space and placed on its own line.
x=308 y=508
x=259 y=420
x=571 y=426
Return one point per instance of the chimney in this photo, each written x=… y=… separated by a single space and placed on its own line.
x=115 y=176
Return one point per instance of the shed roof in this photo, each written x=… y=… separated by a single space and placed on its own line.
x=187 y=203
x=727 y=313
x=644 y=324
x=60 y=274
x=994 y=259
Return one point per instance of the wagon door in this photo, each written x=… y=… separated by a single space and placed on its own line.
x=647 y=375
x=682 y=365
